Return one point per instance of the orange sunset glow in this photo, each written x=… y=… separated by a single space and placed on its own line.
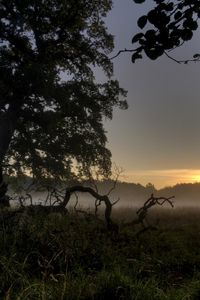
x=162 y=178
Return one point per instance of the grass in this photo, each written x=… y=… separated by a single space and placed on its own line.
x=74 y=257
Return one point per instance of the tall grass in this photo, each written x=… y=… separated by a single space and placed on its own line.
x=72 y=257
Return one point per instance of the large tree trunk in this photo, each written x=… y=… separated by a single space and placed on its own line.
x=8 y=121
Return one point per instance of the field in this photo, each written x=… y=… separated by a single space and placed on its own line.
x=76 y=257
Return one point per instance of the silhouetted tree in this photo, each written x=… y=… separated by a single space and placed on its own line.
x=150 y=188
x=51 y=107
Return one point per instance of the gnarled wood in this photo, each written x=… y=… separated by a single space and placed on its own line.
x=101 y=198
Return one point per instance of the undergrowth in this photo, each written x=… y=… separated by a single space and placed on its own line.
x=75 y=257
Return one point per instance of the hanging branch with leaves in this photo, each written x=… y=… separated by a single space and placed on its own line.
x=169 y=25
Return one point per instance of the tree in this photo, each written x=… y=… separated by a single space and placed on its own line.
x=150 y=188
x=169 y=25
x=51 y=107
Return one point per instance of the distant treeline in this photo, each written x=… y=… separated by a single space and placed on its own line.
x=184 y=191
x=133 y=193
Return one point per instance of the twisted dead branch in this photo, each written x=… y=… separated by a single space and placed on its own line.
x=143 y=212
x=101 y=198
x=59 y=200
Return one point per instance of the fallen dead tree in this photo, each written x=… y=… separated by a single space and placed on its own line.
x=143 y=211
x=59 y=202
x=150 y=202
x=99 y=199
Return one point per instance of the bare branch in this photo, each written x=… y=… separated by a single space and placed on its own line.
x=115 y=202
x=123 y=51
x=182 y=61
x=117 y=172
x=48 y=197
x=75 y=206
x=92 y=192
x=21 y=201
x=150 y=202
x=30 y=198
x=97 y=204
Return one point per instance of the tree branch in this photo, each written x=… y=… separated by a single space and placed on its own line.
x=150 y=202
x=123 y=51
x=100 y=198
x=182 y=61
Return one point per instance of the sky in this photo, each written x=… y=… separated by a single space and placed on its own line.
x=157 y=139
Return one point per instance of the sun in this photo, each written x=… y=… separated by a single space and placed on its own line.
x=196 y=178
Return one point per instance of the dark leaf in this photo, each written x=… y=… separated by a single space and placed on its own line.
x=136 y=56
x=150 y=34
x=137 y=37
x=197 y=55
x=154 y=53
x=170 y=6
x=153 y=17
x=142 y=21
x=139 y=1
x=178 y=15
x=186 y=34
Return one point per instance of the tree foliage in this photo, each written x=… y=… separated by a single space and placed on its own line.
x=50 y=103
x=169 y=24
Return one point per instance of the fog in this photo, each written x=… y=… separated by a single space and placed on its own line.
x=126 y=196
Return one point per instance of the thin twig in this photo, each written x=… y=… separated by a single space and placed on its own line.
x=75 y=206
x=182 y=61
x=123 y=51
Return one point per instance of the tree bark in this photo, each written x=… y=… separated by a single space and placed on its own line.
x=8 y=121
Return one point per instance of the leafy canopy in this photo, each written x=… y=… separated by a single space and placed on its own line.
x=169 y=24
x=48 y=52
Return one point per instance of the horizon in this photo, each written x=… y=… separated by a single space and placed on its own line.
x=162 y=178
x=126 y=178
